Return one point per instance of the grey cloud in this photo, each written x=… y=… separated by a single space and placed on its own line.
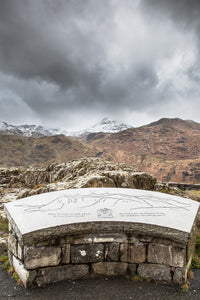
x=43 y=40
x=61 y=56
x=65 y=43
x=186 y=11
x=185 y=14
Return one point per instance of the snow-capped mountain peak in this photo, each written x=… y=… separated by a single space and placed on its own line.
x=109 y=126
x=105 y=125
x=24 y=130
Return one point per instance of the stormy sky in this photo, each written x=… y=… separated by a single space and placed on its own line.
x=69 y=63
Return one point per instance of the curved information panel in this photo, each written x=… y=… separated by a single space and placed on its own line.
x=102 y=204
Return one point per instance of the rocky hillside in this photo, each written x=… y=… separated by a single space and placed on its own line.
x=172 y=139
x=17 y=183
x=25 y=152
x=168 y=149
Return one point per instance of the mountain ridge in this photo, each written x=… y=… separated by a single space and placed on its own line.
x=176 y=122
x=105 y=125
x=169 y=149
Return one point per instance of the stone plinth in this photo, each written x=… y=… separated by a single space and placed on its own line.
x=101 y=231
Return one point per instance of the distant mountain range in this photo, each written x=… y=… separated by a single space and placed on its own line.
x=105 y=125
x=24 y=130
x=167 y=148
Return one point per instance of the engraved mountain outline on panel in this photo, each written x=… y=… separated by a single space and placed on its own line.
x=104 y=204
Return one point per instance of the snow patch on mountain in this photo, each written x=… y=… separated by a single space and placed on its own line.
x=24 y=130
x=106 y=125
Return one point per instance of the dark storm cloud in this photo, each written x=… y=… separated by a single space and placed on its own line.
x=65 y=42
x=186 y=12
x=58 y=57
x=43 y=39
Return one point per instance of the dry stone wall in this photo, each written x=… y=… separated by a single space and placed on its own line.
x=100 y=254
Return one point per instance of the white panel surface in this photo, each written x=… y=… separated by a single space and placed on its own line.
x=102 y=204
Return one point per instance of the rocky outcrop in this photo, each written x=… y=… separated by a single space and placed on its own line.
x=82 y=173
x=16 y=183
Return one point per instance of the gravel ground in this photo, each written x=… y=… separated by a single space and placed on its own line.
x=99 y=289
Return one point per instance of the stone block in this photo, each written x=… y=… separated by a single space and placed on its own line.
x=12 y=244
x=77 y=239
x=167 y=255
x=42 y=244
x=84 y=239
x=87 y=253
x=64 y=240
x=20 y=251
x=51 y=242
x=15 y=247
x=66 y=254
x=110 y=238
x=132 y=268
x=10 y=258
x=3 y=246
x=133 y=253
x=155 y=271
x=179 y=276
x=59 y=273
x=134 y=240
x=109 y=268
x=10 y=227
x=112 y=252
x=41 y=257
x=146 y=239
x=97 y=238
x=26 y=276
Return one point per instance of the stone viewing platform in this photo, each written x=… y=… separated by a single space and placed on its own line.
x=101 y=231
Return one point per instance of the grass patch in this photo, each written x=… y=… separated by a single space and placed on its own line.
x=195 y=263
x=6 y=266
x=3 y=258
x=3 y=224
x=195 y=195
x=9 y=269
x=137 y=278
x=196 y=258
x=198 y=241
x=165 y=190
x=185 y=287
x=16 y=276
